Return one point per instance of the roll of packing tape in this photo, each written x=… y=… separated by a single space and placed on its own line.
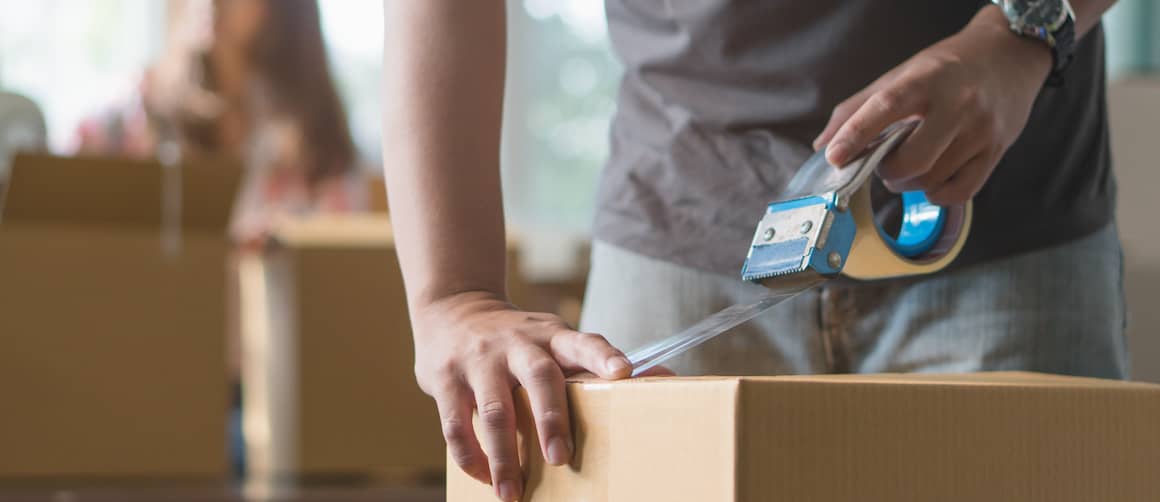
x=874 y=256
x=929 y=239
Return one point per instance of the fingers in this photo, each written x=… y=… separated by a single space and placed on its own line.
x=961 y=151
x=840 y=115
x=846 y=109
x=541 y=376
x=881 y=109
x=493 y=402
x=920 y=152
x=578 y=351
x=455 y=405
x=965 y=183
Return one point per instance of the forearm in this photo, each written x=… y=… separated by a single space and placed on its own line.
x=443 y=98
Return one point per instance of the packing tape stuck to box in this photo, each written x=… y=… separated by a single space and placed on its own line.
x=169 y=156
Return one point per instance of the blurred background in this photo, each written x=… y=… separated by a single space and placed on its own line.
x=116 y=268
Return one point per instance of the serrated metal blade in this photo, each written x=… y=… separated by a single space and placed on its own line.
x=655 y=354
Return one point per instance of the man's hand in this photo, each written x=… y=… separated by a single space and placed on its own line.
x=443 y=105
x=973 y=92
x=473 y=349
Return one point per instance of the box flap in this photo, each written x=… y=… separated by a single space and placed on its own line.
x=94 y=191
x=632 y=442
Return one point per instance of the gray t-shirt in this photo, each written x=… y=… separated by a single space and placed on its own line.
x=721 y=98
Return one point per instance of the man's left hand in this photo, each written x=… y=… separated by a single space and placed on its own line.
x=973 y=92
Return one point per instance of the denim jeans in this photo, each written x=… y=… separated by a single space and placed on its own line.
x=1057 y=310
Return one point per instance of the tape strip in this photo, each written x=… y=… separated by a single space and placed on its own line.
x=169 y=154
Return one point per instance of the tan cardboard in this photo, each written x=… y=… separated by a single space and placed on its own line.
x=328 y=358
x=996 y=437
x=112 y=350
x=377 y=195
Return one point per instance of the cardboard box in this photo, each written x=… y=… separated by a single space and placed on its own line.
x=328 y=359
x=377 y=195
x=112 y=349
x=994 y=437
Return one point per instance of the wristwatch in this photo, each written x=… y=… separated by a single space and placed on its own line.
x=1051 y=21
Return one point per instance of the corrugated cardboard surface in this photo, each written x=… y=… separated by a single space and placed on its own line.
x=112 y=350
x=329 y=358
x=995 y=437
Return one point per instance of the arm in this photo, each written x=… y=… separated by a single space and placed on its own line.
x=441 y=141
x=974 y=92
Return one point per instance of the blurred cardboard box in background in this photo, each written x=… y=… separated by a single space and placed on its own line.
x=112 y=320
x=328 y=358
x=377 y=195
x=997 y=437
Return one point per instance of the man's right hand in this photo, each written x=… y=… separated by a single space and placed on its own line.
x=473 y=349
x=442 y=118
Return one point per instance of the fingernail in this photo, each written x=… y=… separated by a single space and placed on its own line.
x=558 y=451
x=509 y=491
x=837 y=152
x=618 y=365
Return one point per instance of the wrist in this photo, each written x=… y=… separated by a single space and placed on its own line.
x=991 y=29
x=458 y=304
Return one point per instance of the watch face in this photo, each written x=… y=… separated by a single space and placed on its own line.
x=1037 y=14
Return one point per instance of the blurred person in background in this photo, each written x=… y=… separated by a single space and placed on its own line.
x=248 y=80
x=244 y=80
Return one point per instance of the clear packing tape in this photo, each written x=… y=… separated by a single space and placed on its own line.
x=172 y=203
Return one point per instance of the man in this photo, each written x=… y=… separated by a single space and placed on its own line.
x=720 y=101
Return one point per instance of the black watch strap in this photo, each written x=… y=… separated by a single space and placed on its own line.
x=1062 y=52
